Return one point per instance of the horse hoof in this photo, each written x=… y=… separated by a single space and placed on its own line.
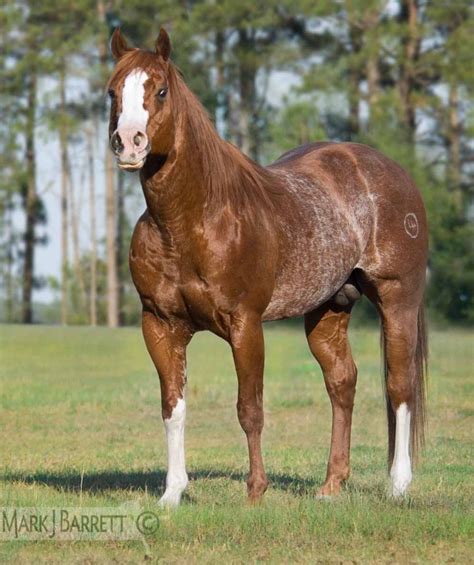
x=254 y=500
x=324 y=497
x=170 y=500
x=330 y=489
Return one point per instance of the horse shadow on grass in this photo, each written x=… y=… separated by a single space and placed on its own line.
x=151 y=481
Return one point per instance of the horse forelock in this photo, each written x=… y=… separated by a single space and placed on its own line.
x=134 y=60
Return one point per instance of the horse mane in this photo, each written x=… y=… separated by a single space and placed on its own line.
x=231 y=177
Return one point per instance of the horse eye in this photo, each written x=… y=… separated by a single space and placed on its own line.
x=111 y=94
x=162 y=93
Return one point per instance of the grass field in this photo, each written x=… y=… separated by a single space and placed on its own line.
x=81 y=426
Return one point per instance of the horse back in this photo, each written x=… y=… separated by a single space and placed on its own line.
x=375 y=195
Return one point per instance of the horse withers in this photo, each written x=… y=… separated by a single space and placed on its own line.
x=225 y=244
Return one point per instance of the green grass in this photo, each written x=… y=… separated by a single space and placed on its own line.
x=81 y=425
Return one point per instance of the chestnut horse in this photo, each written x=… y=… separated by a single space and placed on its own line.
x=225 y=244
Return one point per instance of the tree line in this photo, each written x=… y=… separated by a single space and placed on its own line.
x=396 y=75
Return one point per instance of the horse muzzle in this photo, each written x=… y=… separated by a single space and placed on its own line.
x=131 y=147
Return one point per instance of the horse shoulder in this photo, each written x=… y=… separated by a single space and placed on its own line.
x=154 y=270
x=235 y=259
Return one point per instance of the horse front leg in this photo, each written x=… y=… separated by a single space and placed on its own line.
x=166 y=344
x=249 y=353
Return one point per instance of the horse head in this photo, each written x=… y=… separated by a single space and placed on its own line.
x=141 y=116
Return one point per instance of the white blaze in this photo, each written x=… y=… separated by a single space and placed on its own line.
x=401 y=467
x=133 y=95
x=176 y=478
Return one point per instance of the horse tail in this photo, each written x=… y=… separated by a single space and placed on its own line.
x=418 y=408
x=417 y=440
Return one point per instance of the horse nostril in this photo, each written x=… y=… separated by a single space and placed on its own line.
x=137 y=140
x=116 y=143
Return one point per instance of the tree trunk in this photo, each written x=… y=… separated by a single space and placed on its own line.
x=354 y=100
x=221 y=110
x=372 y=67
x=373 y=88
x=93 y=232
x=30 y=202
x=232 y=121
x=76 y=253
x=411 y=52
x=355 y=76
x=120 y=251
x=10 y=244
x=111 y=243
x=453 y=139
x=248 y=133
x=110 y=204
x=64 y=195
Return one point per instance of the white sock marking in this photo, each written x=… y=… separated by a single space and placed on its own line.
x=401 y=468
x=176 y=478
x=133 y=95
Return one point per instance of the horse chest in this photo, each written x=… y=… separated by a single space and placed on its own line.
x=164 y=288
x=171 y=286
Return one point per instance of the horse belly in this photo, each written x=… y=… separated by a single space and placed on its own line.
x=323 y=252
x=307 y=287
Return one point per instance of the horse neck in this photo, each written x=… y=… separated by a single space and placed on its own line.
x=174 y=185
x=201 y=174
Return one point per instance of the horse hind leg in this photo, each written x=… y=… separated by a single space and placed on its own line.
x=404 y=350
x=326 y=331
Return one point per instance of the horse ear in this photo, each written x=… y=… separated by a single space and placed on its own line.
x=118 y=44
x=163 y=44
